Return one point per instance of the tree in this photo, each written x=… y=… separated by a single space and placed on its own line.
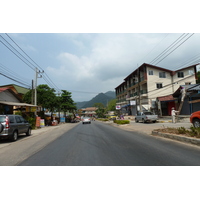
x=112 y=105
x=66 y=102
x=198 y=77
x=46 y=97
x=101 y=109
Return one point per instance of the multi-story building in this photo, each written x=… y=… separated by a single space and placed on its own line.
x=140 y=89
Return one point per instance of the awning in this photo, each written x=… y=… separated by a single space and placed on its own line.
x=16 y=104
x=125 y=105
x=166 y=98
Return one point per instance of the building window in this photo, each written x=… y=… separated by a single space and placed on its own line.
x=187 y=83
x=150 y=72
x=180 y=75
x=162 y=75
x=159 y=85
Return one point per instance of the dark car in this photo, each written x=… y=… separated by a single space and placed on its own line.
x=13 y=125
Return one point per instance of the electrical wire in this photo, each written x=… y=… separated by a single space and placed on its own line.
x=13 y=74
x=168 y=48
x=175 y=48
x=31 y=65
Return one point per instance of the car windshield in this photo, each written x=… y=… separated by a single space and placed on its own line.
x=148 y=113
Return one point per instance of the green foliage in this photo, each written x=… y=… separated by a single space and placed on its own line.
x=103 y=119
x=194 y=132
x=47 y=98
x=32 y=122
x=66 y=101
x=182 y=130
x=112 y=105
x=198 y=77
x=121 y=121
x=101 y=110
x=18 y=113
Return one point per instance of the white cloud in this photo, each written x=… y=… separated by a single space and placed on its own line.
x=108 y=58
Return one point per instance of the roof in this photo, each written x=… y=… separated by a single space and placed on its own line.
x=156 y=67
x=19 y=89
x=189 y=88
x=90 y=109
x=16 y=104
x=11 y=91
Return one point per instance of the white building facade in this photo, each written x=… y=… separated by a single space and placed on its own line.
x=140 y=89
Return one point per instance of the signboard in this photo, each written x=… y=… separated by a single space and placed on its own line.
x=37 y=121
x=118 y=107
x=132 y=103
x=62 y=119
x=31 y=109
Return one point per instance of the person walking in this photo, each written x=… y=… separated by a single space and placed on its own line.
x=173 y=114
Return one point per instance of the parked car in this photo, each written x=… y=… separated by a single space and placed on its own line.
x=195 y=119
x=86 y=120
x=13 y=125
x=146 y=117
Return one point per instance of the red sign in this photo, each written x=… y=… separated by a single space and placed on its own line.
x=37 y=121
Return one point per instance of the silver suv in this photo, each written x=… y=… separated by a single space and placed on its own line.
x=13 y=125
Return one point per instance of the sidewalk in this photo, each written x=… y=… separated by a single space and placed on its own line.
x=149 y=128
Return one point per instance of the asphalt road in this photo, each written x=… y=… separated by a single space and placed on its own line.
x=100 y=144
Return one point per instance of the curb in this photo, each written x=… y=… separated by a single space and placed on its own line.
x=177 y=137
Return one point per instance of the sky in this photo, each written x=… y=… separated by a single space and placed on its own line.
x=86 y=64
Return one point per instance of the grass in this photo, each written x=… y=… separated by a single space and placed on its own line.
x=191 y=132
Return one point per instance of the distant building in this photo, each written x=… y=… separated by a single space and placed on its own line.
x=90 y=111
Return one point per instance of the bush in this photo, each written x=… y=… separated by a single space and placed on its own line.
x=121 y=122
x=194 y=132
x=182 y=130
x=32 y=122
x=103 y=119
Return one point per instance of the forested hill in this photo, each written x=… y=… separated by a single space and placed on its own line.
x=103 y=98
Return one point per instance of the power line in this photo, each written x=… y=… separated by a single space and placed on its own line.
x=35 y=64
x=155 y=46
x=31 y=65
x=174 y=48
x=15 y=53
x=12 y=74
x=167 y=49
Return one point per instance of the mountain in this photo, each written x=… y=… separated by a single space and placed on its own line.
x=103 y=98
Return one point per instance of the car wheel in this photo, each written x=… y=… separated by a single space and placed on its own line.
x=28 y=133
x=136 y=121
x=14 y=136
x=83 y=122
x=196 y=123
x=143 y=121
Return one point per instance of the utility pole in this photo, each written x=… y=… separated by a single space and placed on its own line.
x=32 y=97
x=37 y=72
